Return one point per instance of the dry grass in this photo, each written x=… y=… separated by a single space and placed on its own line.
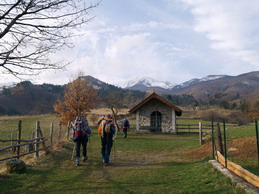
x=96 y=114
x=240 y=147
x=200 y=112
x=104 y=111
x=18 y=117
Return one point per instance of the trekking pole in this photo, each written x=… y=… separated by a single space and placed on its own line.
x=73 y=153
x=87 y=148
x=114 y=150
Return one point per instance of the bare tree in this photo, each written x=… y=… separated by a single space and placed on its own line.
x=114 y=102
x=30 y=30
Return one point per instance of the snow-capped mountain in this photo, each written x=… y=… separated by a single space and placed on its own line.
x=146 y=82
x=197 y=81
x=212 y=77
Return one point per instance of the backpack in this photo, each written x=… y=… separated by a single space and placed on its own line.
x=125 y=123
x=107 y=127
x=79 y=129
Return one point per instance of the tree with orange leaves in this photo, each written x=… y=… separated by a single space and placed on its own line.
x=79 y=98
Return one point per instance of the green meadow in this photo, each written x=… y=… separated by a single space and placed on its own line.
x=142 y=163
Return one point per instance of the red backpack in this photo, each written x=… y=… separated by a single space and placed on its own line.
x=79 y=129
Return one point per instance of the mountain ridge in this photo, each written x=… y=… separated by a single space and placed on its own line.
x=28 y=98
x=146 y=81
x=142 y=83
x=211 y=87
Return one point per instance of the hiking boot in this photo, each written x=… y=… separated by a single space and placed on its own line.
x=77 y=161
x=106 y=164
x=85 y=158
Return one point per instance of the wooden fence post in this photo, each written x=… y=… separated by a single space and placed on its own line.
x=225 y=144
x=37 y=140
x=13 y=148
x=212 y=139
x=41 y=134
x=59 y=132
x=257 y=139
x=200 y=132
x=51 y=135
x=68 y=130
x=31 y=146
x=19 y=137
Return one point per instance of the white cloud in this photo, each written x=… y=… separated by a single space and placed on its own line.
x=169 y=40
x=152 y=25
x=230 y=25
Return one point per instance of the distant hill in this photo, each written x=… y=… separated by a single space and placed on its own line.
x=219 y=87
x=127 y=97
x=196 y=81
x=147 y=83
x=227 y=88
x=26 y=98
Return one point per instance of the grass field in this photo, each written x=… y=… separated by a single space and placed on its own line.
x=142 y=163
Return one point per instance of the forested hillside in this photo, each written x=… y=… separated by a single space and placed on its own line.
x=240 y=92
x=26 y=98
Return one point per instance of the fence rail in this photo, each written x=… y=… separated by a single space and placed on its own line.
x=237 y=169
x=220 y=153
x=23 y=144
x=22 y=140
x=193 y=126
x=33 y=143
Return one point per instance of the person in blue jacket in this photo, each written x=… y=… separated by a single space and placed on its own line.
x=125 y=126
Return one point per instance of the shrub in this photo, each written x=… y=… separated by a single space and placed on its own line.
x=238 y=118
x=209 y=115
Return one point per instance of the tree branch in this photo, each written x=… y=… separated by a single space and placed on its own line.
x=32 y=29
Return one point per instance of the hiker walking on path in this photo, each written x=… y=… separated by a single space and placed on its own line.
x=106 y=131
x=125 y=126
x=100 y=120
x=81 y=132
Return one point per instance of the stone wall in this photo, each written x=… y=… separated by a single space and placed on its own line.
x=156 y=105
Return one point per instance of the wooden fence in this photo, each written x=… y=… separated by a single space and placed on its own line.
x=33 y=145
x=222 y=155
x=248 y=176
x=192 y=127
x=197 y=128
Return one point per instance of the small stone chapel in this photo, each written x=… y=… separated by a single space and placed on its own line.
x=156 y=114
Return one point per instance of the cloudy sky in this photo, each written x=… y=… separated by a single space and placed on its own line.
x=168 y=40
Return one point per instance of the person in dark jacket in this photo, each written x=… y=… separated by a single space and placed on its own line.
x=125 y=126
x=100 y=120
x=81 y=132
x=106 y=131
